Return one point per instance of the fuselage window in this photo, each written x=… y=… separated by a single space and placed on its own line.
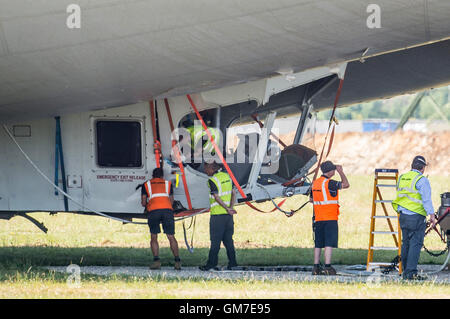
x=118 y=144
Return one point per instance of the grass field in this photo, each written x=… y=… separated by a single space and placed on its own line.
x=260 y=239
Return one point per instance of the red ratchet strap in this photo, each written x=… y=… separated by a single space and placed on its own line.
x=222 y=159
x=177 y=155
x=261 y=125
x=437 y=222
x=156 y=143
x=191 y=212
x=330 y=144
x=336 y=100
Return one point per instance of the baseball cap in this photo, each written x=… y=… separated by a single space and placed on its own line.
x=327 y=166
x=419 y=160
x=212 y=164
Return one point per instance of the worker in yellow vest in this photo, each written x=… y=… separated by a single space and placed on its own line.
x=325 y=197
x=221 y=225
x=201 y=147
x=413 y=203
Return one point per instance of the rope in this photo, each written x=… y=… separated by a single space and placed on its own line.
x=183 y=177
x=59 y=189
x=331 y=123
x=262 y=211
x=288 y=214
x=392 y=266
x=222 y=159
x=443 y=240
x=332 y=120
x=397 y=259
x=435 y=254
x=83 y=207
x=261 y=125
x=190 y=248
x=446 y=262
x=156 y=142
x=178 y=155
x=217 y=149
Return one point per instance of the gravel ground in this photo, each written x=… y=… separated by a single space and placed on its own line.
x=193 y=272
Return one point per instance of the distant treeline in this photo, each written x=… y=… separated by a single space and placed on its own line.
x=395 y=107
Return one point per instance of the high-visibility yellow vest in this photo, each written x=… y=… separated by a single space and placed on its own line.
x=224 y=187
x=197 y=133
x=407 y=194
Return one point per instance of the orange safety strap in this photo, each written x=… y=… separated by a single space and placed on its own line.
x=178 y=155
x=330 y=144
x=156 y=143
x=261 y=125
x=222 y=159
x=265 y=212
x=336 y=100
x=191 y=212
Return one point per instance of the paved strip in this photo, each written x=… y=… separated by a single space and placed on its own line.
x=344 y=276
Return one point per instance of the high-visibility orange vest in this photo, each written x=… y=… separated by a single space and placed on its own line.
x=158 y=192
x=326 y=206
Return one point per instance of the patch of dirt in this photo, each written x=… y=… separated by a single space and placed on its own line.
x=249 y=244
x=361 y=153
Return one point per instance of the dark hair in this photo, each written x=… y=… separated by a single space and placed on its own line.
x=212 y=165
x=418 y=166
x=418 y=162
x=158 y=172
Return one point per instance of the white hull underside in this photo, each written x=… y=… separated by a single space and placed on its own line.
x=131 y=51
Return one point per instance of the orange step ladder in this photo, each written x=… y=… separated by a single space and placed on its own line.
x=382 y=178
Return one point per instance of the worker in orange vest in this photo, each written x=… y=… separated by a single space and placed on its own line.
x=325 y=198
x=157 y=198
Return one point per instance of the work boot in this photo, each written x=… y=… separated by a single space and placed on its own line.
x=207 y=268
x=317 y=270
x=156 y=265
x=329 y=271
x=177 y=265
x=416 y=277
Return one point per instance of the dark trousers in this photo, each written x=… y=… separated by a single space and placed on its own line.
x=221 y=229
x=413 y=232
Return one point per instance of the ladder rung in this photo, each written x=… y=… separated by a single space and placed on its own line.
x=384 y=232
x=383 y=201
x=380 y=263
x=390 y=216
x=384 y=248
x=386 y=185
x=386 y=170
x=387 y=177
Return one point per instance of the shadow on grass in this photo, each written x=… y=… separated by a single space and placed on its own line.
x=25 y=262
x=35 y=256
x=122 y=256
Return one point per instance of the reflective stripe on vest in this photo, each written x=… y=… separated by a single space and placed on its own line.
x=326 y=206
x=408 y=195
x=413 y=184
x=224 y=191
x=158 y=197
x=325 y=200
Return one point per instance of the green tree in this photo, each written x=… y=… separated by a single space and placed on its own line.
x=395 y=107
